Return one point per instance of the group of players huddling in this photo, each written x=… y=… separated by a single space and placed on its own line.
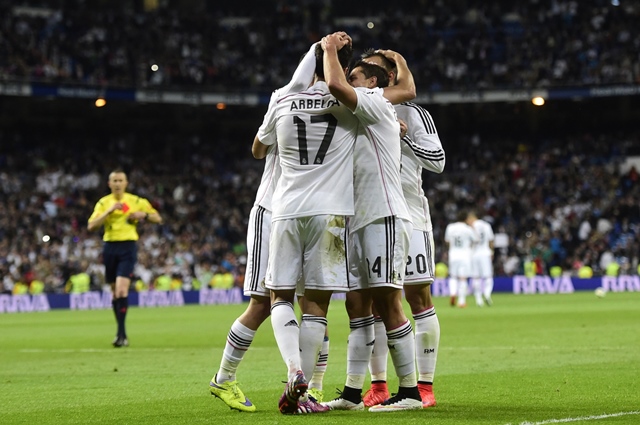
x=341 y=208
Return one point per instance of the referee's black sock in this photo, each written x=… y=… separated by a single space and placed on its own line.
x=122 y=305
x=114 y=305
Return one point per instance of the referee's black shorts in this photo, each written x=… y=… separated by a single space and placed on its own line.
x=119 y=259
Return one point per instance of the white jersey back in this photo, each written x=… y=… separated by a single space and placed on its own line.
x=316 y=138
x=269 y=178
x=421 y=148
x=485 y=235
x=461 y=238
x=377 y=183
x=271 y=170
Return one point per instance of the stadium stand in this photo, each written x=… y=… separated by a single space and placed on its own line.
x=464 y=45
x=555 y=204
x=564 y=195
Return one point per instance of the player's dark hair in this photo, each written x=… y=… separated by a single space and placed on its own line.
x=344 y=57
x=462 y=215
x=386 y=63
x=372 y=70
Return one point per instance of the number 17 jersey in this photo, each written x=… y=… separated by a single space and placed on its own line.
x=316 y=137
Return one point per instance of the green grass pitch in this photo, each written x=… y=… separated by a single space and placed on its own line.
x=532 y=359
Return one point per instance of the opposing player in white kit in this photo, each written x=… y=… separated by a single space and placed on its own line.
x=421 y=149
x=316 y=137
x=460 y=239
x=224 y=384
x=482 y=261
x=379 y=231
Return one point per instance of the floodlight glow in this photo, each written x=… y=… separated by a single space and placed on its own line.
x=154 y=67
x=538 y=100
x=100 y=102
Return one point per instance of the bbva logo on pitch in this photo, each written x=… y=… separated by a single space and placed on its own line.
x=542 y=285
x=621 y=283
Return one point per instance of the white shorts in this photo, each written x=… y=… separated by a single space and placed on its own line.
x=481 y=266
x=420 y=262
x=311 y=248
x=258 y=231
x=379 y=253
x=460 y=268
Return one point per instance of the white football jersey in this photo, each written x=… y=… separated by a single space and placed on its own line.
x=316 y=138
x=461 y=238
x=485 y=235
x=421 y=148
x=301 y=79
x=271 y=170
x=377 y=183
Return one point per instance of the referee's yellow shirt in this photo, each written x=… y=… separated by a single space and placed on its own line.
x=116 y=226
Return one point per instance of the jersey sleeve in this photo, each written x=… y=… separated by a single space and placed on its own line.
x=100 y=208
x=267 y=132
x=370 y=104
x=145 y=206
x=301 y=79
x=303 y=75
x=422 y=137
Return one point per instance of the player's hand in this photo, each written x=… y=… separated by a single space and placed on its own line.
x=344 y=37
x=391 y=55
x=332 y=41
x=403 y=128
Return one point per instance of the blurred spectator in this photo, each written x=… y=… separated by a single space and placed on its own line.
x=465 y=45
x=535 y=195
x=78 y=283
x=222 y=279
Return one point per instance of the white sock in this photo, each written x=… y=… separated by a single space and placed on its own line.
x=238 y=341
x=476 y=283
x=321 y=365
x=488 y=287
x=287 y=333
x=427 y=341
x=378 y=363
x=359 y=347
x=402 y=348
x=453 y=287
x=462 y=291
x=312 y=331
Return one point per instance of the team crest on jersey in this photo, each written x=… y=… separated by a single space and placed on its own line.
x=125 y=207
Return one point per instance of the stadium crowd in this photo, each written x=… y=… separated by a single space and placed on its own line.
x=561 y=201
x=465 y=45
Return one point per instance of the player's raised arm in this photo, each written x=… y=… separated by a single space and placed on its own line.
x=404 y=89
x=303 y=75
x=422 y=137
x=334 y=73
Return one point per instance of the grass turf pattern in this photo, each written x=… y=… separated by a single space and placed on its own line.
x=528 y=359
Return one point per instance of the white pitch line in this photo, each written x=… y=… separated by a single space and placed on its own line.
x=582 y=418
x=531 y=348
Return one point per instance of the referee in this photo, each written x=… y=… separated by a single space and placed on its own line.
x=119 y=213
